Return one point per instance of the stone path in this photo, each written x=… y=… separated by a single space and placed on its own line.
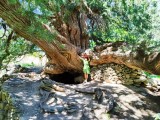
x=134 y=103
x=24 y=93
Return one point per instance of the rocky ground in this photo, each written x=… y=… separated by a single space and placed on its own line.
x=44 y=99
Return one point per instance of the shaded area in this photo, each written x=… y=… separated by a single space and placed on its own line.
x=24 y=93
x=133 y=103
x=67 y=78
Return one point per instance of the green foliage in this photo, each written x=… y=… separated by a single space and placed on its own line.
x=107 y=116
x=38 y=31
x=16 y=48
x=38 y=54
x=92 y=44
x=12 y=1
x=7 y=109
x=27 y=65
x=133 y=21
x=157 y=116
x=152 y=75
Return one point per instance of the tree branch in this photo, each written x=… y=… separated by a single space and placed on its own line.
x=114 y=52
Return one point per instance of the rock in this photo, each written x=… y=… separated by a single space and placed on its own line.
x=112 y=73
x=139 y=104
x=115 y=95
x=127 y=76
x=153 y=82
x=128 y=81
x=53 y=109
x=125 y=113
x=98 y=113
x=140 y=80
x=71 y=107
x=144 y=94
x=87 y=114
x=119 y=82
x=79 y=79
x=98 y=95
x=143 y=78
x=50 y=101
x=104 y=98
x=58 y=88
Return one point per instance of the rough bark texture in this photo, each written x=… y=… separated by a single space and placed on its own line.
x=60 y=58
x=114 y=52
x=72 y=36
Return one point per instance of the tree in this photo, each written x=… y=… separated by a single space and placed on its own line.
x=12 y=45
x=63 y=28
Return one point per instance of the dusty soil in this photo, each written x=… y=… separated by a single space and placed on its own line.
x=133 y=103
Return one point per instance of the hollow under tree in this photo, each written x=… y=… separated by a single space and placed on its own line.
x=65 y=34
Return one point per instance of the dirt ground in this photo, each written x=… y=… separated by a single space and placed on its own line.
x=133 y=102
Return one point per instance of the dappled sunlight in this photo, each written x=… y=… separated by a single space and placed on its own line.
x=24 y=96
x=80 y=59
x=76 y=100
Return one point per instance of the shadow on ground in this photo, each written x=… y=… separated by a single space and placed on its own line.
x=133 y=103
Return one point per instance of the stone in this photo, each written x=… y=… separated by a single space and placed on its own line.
x=142 y=78
x=54 y=109
x=50 y=101
x=71 y=107
x=139 y=80
x=144 y=94
x=127 y=76
x=88 y=115
x=98 y=112
x=115 y=73
x=152 y=82
x=119 y=82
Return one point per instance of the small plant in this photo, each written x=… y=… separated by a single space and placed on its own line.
x=157 y=116
x=28 y=65
x=106 y=116
x=117 y=108
x=151 y=75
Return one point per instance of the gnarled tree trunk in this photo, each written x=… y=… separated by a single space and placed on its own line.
x=71 y=38
x=114 y=52
x=62 y=51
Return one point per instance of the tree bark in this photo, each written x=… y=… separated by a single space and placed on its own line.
x=61 y=58
x=63 y=50
x=114 y=52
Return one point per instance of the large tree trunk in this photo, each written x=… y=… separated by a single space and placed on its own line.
x=62 y=51
x=71 y=38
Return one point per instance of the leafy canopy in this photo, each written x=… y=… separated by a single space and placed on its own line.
x=133 y=21
x=12 y=45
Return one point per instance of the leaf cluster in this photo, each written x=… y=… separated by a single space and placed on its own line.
x=12 y=47
x=132 y=21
